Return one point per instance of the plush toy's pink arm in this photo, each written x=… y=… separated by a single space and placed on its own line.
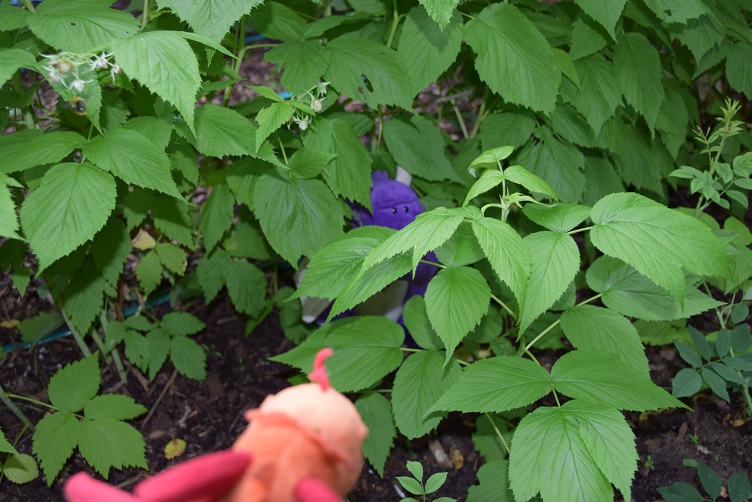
x=83 y=488
x=207 y=477
x=319 y=374
x=313 y=490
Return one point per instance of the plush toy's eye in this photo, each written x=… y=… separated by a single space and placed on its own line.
x=394 y=210
x=405 y=208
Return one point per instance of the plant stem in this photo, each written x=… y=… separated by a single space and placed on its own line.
x=395 y=23
x=504 y=306
x=542 y=334
x=114 y=352
x=498 y=433
x=145 y=14
x=577 y=231
x=33 y=401
x=5 y=398
x=282 y=148
x=481 y=114
x=29 y=5
x=437 y=265
x=460 y=119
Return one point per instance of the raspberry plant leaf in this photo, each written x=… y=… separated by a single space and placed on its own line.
x=172 y=257
x=419 y=382
x=157 y=129
x=738 y=54
x=272 y=118
x=114 y=406
x=174 y=218
x=5 y=446
x=212 y=19
x=496 y=384
x=677 y=11
x=599 y=93
x=366 y=348
x=20 y=468
x=493 y=483
x=188 y=357
x=561 y=217
x=607 y=14
x=246 y=285
x=159 y=348
x=181 y=324
x=110 y=250
x=55 y=438
x=130 y=156
x=8 y=218
x=376 y=412
x=220 y=132
x=440 y=10
x=216 y=215
x=12 y=18
x=304 y=63
x=13 y=59
x=106 y=443
x=149 y=272
x=416 y=321
x=83 y=298
x=212 y=273
x=514 y=59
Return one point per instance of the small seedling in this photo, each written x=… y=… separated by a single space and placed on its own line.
x=415 y=484
x=738 y=486
x=649 y=463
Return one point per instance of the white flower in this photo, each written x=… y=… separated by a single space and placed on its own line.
x=316 y=105
x=302 y=122
x=79 y=84
x=115 y=70
x=100 y=61
x=321 y=89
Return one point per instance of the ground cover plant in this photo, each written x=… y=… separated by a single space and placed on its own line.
x=544 y=138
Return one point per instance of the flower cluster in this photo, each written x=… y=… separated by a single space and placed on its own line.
x=71 y=70
x=314 y=101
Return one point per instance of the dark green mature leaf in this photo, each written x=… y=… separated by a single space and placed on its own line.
x=278 y=22
x=655 y=240
x=586 y=39
x=299 y=217
x=107 y=443
x=69 y=208
x=699 y=35
x=686 y=383
x=461 y=249
x=188 y=357
x=419 y=147
x=596 y=328
x=369 y=72
x=272 y=118
x=304 y=63
x=366 y=348
x=419 y=382
x=110 y=250
x=114 y=406
x=602 y=378
x=493 y=484
x=638 y=69
x=440 y=10
x=555 y=261
x=220 y=132
x=376 y=412
x=680 y=492
x=246 y=285
x=496 y=384
x=738 y=56
x=428 y=48
x=159 y=348
x=172 y=257
x=84 y=297
x=599 y=92
x=212 y=273
x=13 y=59
x=130 y=156
x=157 y=129
x=24 y=149
x=72 y=387
x=82 y=25
x=456 y=301
x=12 y=17
x=677 y=11
x=165 y=63
x=212 y=19
x=514 y=59
x=149 y=272
x=173 y=218
x=181 y=324
x=8 y=217
x=739 y=487
x=216 y=215
x=607 y=13
x=55 y=438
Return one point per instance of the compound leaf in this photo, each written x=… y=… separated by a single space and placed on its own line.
x=376 y=412
x=55 y=438
x=107 y=443
x=213 y=18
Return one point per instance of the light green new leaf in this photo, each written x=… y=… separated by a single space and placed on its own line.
x=20 y=468
x=366 y=349
x=12 y=17
x=246 y=285
x=677 y=11
x=172 y=257
x=24 y=149
x=5 y=446
x=418 y=146
x=427 y=48
x=599 y=93
x=299 y=217
x=158 y=130
x=555 y=261
x=8 y=217
x=165 y=63
x=638 y=69
x=496 y=384
x=561 y=217
x=595 y=328
x=149 y=272
x=72 y=204
x=130 y=156
x=492 y=158
x=308 y=163
x=602 y=378
x=514 y=59
x=419 y=382
x=523 y=177
x=559 y=163
x=493 y=478
x=114 y=406
x=81 y=25
x=55 y=438
x=216 y=215
x=181 y=324
x=107 y=443
x=440 y=10
x=188 y=357
x=656 y=240
x=212 y=273
x=736 y=62
x=272 y=118
x=606 y=13
x=83 y=298
x=75 y=385
x=13 y=59
x=506 y=252
x=212 y=18
x=376 y=412
x=220 y=132
x=304 y=63
x=550 y=456
x=488 y=180
x=369 y=72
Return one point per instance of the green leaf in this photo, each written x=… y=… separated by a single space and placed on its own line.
x=114 y=406
x=5 y=446
x=159 y=348
x=72 y=387
x=488 y=180
x=24 y=149
x=376 y=412
x=212 y=19
x=416 y=469
x=174 y=219
x=435 y=481
x=20 y=468
x=687 y=382
x=514 y=59
x=461 y=249
x=508 y=128
x=367 y=71
x=561 y=217
x=677 y=11
x=565 y=64
x=158 y=130
x=506 y=252
x=739 y=488
x=366 y=348
x=212 y=273
x=417 y=324
x=496 y=384
x=137 y=349
x=738 y=55
x=602 y=378
x=486 y=439
x=272 y=118
x=55 y=438
x=456 y=301
x=419 y=382
x=493 y=478
x=555 y=261
x=12 y=18
x=429 y=49
x=188 y=357
x=550 y=456
x=172 y=257
x=165 y=63
x=149 y=272
x=715 y=382
x=586 y=39
x=110 y=250
x=308 y=163
x=298 y=217
x=631 y=294
x=655 y=240
x=680 y=492
x=596 y=328
x=9 y=219
x=83 y=298
x=181 y=324
x=82 y=25
x=107 y=443
x=607 y=13
x=419 y=148
x=304 y=63
x=411 y=485
x=130 y=156
x=599 y=93
x=638 y=69
x=699 y=35
x=13 y=59
x=492 y=158
x=710 y=481
x=278 y=22
x=12 y=256
x=220 y=132
x=523 y=177
x=440 y=10
x=216 y=215
x=246 y=285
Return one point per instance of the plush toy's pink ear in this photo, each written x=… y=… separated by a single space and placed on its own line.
x=319 y=373
x=313 y=490
x=83 y=488
x=204 y=478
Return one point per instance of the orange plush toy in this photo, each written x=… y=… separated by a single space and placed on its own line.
x=302 y=445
